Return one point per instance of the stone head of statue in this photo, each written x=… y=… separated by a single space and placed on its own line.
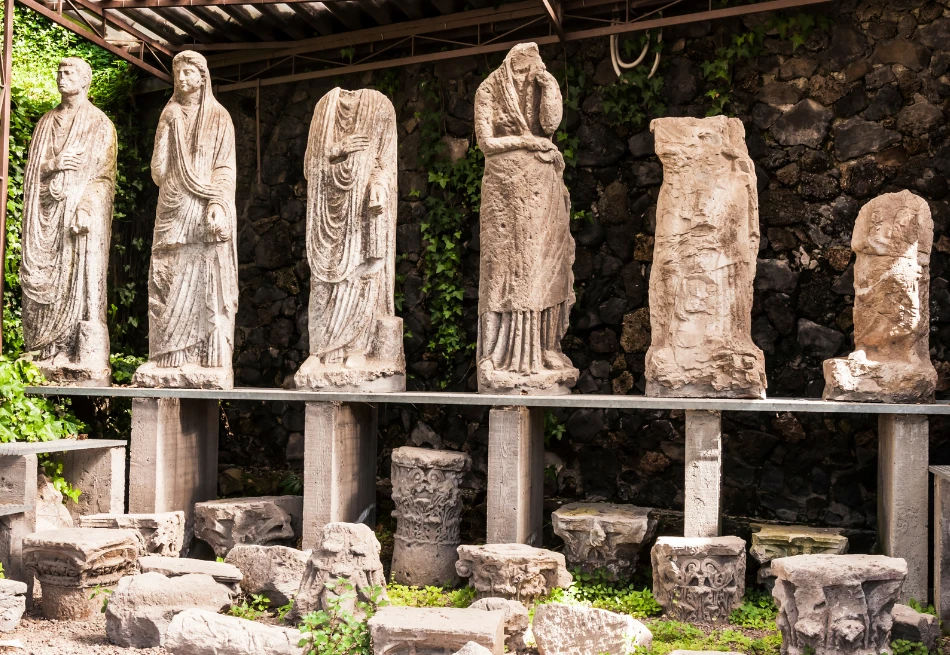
x=525 y=62
x=73 y=77
x=190 y=72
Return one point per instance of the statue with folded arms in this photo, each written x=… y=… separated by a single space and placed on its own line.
x=68 y=190
x=192 y=288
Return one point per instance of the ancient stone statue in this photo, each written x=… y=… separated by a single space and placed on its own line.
x=892 y=239
x=514 y=571
x=428 y=514
x=526 y=283
x=345 y=564
x=68 y=188
x=837 y=604
x=699 y=579
x=603 y=537
x=707 y=237
x=192 y=286
x=350 y=166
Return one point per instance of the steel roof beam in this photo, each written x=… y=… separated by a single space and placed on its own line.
x=316 y=17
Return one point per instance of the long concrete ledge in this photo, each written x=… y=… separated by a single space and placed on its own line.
x=494 y=400
x=58 y=446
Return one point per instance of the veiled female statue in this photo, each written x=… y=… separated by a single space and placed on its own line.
x=68 y=189
x=192 y=289
x=526 y=282
x=350 y=166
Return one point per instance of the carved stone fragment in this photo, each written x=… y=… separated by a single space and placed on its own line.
x=428 y=514
x=172 y=567
x=561 y=629
x=197 y=632
x=603 y=536
x=435 y=630
x=892 y=239
x=345 y=564
x=260 y=520
x=472 y=648
x=526 y=282
x=774 y=541
x=192 y=286
x=514 y=571
x=911 y=625
x=162 y=533
x=837 y=604
x=707 y=237
x=699 y=579
x=272 y=571
x=12 y=604
x=516 y=619
x=68 y=188
x=356 y=340
x=70 y=562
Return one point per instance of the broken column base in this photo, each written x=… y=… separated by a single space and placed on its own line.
x=857 y=379
x=73 y=603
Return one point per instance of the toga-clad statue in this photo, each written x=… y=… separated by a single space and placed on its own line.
x=68 y=190
x=192 y=286
x=526 y=283
x=356 y=341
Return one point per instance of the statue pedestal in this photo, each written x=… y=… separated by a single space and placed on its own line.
x=515 y=475
x=339 y=473
x=174 y=457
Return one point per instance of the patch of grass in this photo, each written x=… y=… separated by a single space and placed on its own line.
x=669 y=636
x=595 y=590
x=757 y=611
x=904 y=647
x=409 y=596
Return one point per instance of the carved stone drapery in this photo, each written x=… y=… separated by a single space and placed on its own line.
x=68 y=188
x=892 y=239
x=603 y=536
x=526 y=283
x=428 y=514
x=837 y=604
x=514 y=571
x=192 y=286
x=356 y=341
x=707 y=237
x=699 y=579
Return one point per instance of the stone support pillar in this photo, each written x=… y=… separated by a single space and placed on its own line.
x=100 y=473
x=339 y=475
x=902 y=497
x=515 y=475
x=942 y=544
x=703 y=492
x=17 y=488
x=174 y=456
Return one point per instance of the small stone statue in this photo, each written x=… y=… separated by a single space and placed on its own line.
x=192 y=287
x=526 y=285
x=355 y=337
x=345 y=564
x=68 y=189
x=892 y=239
x=428 y=514
x=707 y=237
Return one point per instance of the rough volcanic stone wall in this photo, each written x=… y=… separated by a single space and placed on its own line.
x=859 y=110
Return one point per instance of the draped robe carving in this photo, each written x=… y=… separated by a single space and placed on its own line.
x=193 y=274
x=350 y=166
x=67 y=215
x=526 y=282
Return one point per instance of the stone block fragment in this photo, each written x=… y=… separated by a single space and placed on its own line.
x=201 y=632
x=561 y=629
x=345 y=563
x=837 y=604
x=273 y=571
x=428 y=514
x=70 y=562
x=162 y=533
x=227 y=574
x=12 y=604
x=892 y=238
x=911 y=625
x=707 y=238
x=262 y=520
x=471 y=648
x=435 y=630
x=516 y=619
x=699 y=579
x=774 y=541
x=514 y=571
x=142 y=606
x=603 y=536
